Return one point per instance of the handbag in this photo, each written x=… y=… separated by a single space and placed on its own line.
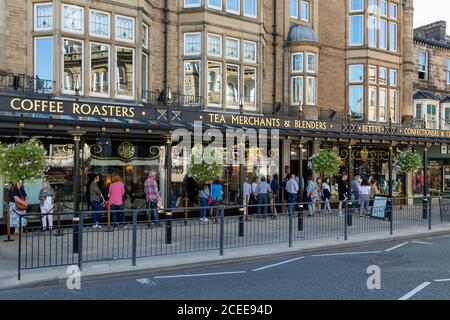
x=210 y=200
x=20 y=206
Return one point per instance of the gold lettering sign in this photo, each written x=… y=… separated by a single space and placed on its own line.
x=126 y=150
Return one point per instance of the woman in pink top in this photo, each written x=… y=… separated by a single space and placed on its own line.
x=116 y=195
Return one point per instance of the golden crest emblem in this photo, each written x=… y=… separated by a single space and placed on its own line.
x=364 y=154
x=126 y=150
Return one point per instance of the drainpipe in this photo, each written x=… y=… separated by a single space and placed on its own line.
x=166 y=27
x=274 y=34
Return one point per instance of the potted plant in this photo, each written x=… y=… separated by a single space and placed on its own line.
x=326 y=163
x=204 y=166
x=407 y=161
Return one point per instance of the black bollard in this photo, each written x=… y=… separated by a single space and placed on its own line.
x=76 y=233
x=425 y=208
x=241 y=222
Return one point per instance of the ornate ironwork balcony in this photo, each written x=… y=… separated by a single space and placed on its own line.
x=175 y=100
x=26 y=84
x=306 y=112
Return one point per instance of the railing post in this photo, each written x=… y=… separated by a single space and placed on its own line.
x=290 y=229
x=80 y=241
x=241 y=222
x=8 y=227
x=391 y=217
x=346 y=221
x=300 y=218
x=169 y=227
x=221 y=231
x=19 y=260
x=186 y=204
x=429 y=212
x=134 y=238
x=58 y=219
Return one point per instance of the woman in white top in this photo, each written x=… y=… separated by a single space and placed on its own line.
x=247 y=188
x=254 y=194
x=364 y=191
x=326 y=194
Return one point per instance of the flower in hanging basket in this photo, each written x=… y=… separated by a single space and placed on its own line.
x=326 y=163
x=408 y=161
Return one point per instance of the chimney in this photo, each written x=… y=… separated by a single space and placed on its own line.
x=434 y=31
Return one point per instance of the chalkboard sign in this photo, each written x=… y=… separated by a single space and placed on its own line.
x=379 y=207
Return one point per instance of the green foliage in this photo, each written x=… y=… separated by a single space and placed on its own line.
x=24 y=161
x=326 y=163
x=408 y=161
x=206 y=165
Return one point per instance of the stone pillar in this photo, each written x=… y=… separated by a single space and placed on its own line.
x=168 y=165
x=315 y=150
x=76 y=134
x=408 y=63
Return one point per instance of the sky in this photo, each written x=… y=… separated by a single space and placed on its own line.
x=427 y=11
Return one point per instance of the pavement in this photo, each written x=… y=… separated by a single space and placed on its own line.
x=186 y=261
x=397 y=269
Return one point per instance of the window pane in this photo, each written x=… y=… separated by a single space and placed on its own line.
x=214 y=83
x=73 y=18
x=250 y=51
x=393 y=77
x=304 y=12
x=192 y=43
x=43 y=16
x=144 y=86
x=383 y=34
x=250 y=88
x=373 y=6
x=383 y=76
x=144 y=36
x=382 y=106
x=392 y=36
x=448 y=71
x=99 y=24
x=447 y=115
x=372 y=26
x=356 y=73
x=73 y=65
x=125 y=72
x=356 y=30
x=356 y=100
x=43 y=64
x=217 y=4
x=192 y=78
x=192 y=3
x=233 y=5
x=356 y=5
x=393 y=105
x=214 y=45
x=233 y=90
x=310 y=90
x=372 y=104
x=297 y=91
x=373 y=74
x=233 y=48
x=383 y=8
x=393 y=11
x=297 y=62
x=250 y=8
x=311 y=63
x=419 y=111
x=294 y=9
x=99 y=68
x=125 y=28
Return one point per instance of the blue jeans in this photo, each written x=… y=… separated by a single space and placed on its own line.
x=154 y=211
x=292 y=199
x=203 y=205
x=355 y=196
x=117 y=209
x=97 y=214
x=262 y=199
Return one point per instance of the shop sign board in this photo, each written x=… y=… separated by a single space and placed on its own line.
x=379 y=207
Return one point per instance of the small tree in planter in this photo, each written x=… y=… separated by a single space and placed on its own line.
x=326 y=163
x=23 y=161
x=408 y=161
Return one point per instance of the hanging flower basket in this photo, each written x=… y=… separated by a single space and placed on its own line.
x=23 y=161
x=326 y=163
x=408 y=161
x=203 y=167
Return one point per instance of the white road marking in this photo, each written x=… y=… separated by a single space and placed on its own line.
x=421 y=242
x=396 y=247
x=199 y=275
x=416 y=290
x=277 y=264
x=146 y=282
x=442 y=280
x=344 y=253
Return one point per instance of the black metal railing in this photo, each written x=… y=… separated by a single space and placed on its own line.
x=180 y=230
x=26 y=84
x=310 y=113
x=175 y=100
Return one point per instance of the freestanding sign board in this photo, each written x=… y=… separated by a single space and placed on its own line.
x=379 y=207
